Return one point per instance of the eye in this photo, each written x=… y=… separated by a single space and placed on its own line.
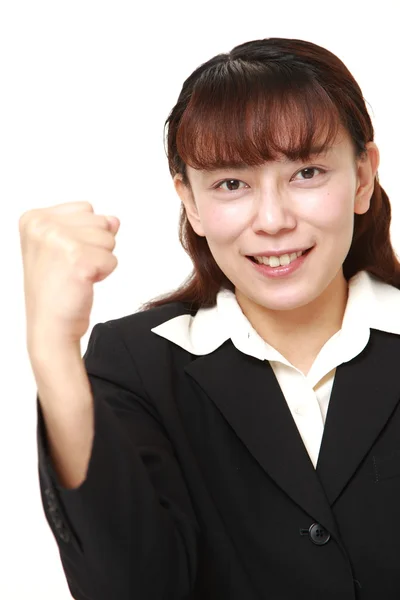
x=232 y=185
x=309 y=172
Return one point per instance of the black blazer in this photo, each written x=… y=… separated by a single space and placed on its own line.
x=199 y=485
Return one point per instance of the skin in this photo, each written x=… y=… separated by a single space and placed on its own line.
x=279 y=206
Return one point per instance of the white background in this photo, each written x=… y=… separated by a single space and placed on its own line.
x=85 y=88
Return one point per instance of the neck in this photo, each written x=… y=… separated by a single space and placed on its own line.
x=300 y=334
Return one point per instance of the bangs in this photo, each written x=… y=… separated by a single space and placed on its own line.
x=247 y=114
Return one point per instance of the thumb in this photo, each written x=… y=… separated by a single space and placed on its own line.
x=114 y=223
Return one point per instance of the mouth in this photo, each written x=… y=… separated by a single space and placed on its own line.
x=275 y=261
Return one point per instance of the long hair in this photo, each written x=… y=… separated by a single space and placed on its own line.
x=232 y=110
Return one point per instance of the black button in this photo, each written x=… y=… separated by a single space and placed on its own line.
x=319 y=535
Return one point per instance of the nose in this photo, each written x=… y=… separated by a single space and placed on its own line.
x=272 y=212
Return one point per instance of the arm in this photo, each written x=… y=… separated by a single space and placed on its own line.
x=128 y=529
x=66 y=403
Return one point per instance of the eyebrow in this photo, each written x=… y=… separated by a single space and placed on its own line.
x=315 y=151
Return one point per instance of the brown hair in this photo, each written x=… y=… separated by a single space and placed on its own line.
x=231 y=111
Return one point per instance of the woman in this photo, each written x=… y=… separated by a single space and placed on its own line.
x=191 y=453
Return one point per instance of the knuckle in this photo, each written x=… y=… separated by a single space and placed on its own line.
x=87 y=270
x=39 y=226
x=22 y=220
x=104 y=239
x=87 y=205
x=27 y=220
x=74 y=251
x=103 y=222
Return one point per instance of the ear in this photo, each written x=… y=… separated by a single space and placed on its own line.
x=186 y=195
x=367 y=168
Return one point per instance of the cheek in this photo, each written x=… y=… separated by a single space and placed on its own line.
x=332 y=211
x=223 y=224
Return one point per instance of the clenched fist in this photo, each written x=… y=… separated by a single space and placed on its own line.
x=66 y=248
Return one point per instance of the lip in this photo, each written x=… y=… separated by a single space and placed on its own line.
x=282 y=271
x=280 y=252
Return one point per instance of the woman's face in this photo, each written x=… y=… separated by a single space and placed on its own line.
x=278 y=207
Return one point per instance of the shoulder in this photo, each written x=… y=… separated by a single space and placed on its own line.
x=144 y=321
x=127 y=351
x=135 y=329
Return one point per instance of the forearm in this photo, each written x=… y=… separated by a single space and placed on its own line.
x=67 y=404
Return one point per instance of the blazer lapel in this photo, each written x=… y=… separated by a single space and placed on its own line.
x=364 y=395
x=248 y=395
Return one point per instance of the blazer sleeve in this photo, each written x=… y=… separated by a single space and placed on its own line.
x=129 y=530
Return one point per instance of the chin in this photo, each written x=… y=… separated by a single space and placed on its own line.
x=284 y=302
x=285 y=305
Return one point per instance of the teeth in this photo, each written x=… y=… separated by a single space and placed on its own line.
x=277 y=261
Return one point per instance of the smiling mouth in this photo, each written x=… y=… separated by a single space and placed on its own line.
x=275 y=261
